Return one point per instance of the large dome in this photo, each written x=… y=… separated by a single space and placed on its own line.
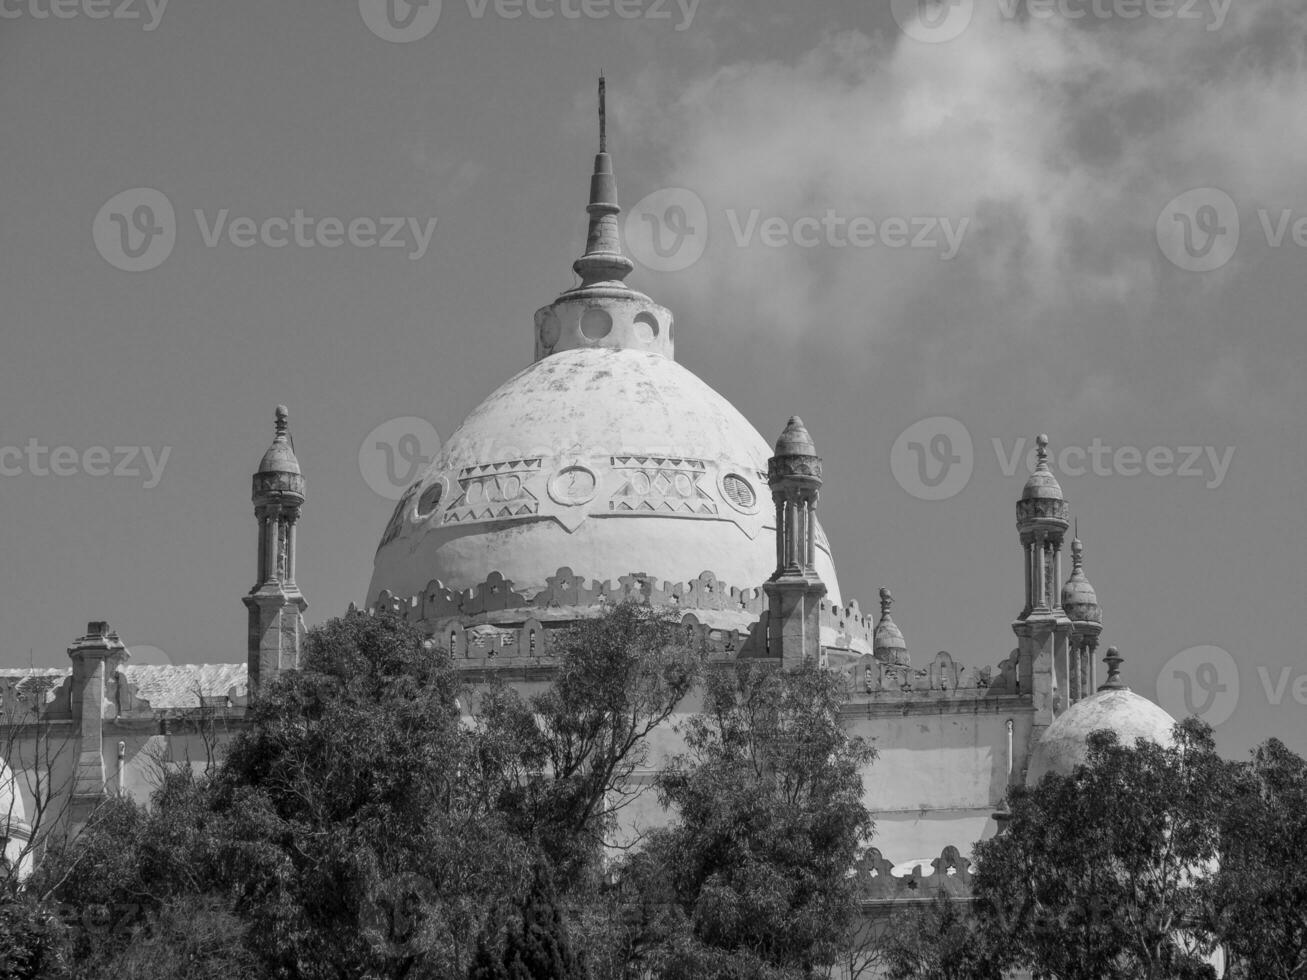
x=1064 y=744
x=606 y=460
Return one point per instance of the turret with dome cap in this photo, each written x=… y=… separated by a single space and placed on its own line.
x=1042 y=520
x=276 y=605
x=1080 y=603
x=889 y=645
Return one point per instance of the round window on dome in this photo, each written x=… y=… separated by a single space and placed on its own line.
x=596 y=324
x=646 y=327
x=430 y=500
x=739 y=492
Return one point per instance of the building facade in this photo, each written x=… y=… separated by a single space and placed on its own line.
x=604 y=471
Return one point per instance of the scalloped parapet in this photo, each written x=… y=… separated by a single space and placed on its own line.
x=497 y=624
x=874 y=881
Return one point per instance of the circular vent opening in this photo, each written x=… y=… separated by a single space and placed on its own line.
x=596 y=324
x=430 y=500
x=738 y=491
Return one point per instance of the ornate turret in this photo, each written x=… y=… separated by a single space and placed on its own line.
x=603 y=311
x=1042 y=522
x=276 y=605
x=1042 y=628
x=888 y=643
x=795 y=589
x=1080 y=603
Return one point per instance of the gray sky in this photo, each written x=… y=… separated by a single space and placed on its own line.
x=1051 y=143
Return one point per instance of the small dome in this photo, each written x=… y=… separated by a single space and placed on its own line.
x=1079 y=600
x=888 y=644
x=1042 y=485
x=1114 y=707
x=280 y=457
x=795 y=440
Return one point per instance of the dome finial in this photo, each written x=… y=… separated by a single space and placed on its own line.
x=282 y=422
x=1041 y=441
x=603 y=260
x=1113 y=682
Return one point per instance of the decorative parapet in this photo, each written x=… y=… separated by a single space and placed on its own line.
x=565 y=590
x=942 y=674
x=497 y=624
x=875 y=884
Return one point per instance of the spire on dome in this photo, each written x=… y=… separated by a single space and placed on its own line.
x=603 y=260
x=1113 y=682
x=888 y=645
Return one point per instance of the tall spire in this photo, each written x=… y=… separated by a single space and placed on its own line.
x=603 y=260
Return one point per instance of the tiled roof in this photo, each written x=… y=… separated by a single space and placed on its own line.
x=167 y=686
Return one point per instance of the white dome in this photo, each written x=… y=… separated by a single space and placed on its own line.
x=605 y=460
x=1064 y=743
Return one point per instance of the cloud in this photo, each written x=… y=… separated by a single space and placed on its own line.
x=1059 y=142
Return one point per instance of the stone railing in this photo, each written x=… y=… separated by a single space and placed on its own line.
x=875 y=884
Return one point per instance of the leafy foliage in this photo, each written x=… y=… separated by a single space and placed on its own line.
x=769 y=799
x=1259 y=897
x=1097 y=876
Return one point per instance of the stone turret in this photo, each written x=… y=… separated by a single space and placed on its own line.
x=276 y=605
x=1042 y=629
x=96 y=657
x=1080 y=603
x=795 y=590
